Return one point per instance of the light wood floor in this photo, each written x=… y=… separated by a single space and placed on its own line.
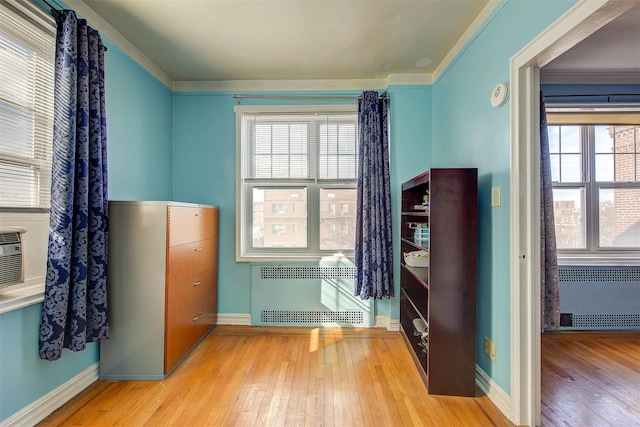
x=253 y=376
x=590 y=379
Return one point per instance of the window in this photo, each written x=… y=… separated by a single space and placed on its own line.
x=301 y=161
x=27 y=57
x=277 y=208
x=596 y=187
x=27 y=53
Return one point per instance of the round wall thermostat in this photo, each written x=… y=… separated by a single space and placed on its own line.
x=499 y=94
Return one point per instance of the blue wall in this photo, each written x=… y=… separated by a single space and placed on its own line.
x=469 y=132
x=140 y=122
x=139 y=131
x=182 y=146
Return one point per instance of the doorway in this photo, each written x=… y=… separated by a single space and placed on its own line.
x=578 y=23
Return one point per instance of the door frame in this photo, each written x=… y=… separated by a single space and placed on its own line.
x=583 y=19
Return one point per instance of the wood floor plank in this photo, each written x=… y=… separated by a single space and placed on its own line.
x=291 y=376
x=590 y=378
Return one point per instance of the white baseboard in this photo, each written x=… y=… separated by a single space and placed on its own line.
x=37 y=411
x=242 y=319
x=386 y=322
x=494 y=392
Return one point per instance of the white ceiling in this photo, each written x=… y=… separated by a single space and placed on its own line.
x=612 y=50
x=222 y=40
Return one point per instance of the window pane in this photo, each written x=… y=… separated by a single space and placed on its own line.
x=570 y=139
x=604 y=139
x=624 y=138
x=568 y=209
x=278 y=149
x=337 y=228
x=554 y=138
x=571 y=168
x=604 y=167
x=625 y=167
x=555 y=167
x=337 y=151
x=19 y=185
x=626 y=141
x=283 y=224
x=619 y=216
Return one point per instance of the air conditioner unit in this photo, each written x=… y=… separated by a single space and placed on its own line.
x=11 y=260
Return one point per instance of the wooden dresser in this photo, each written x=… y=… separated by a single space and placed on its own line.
x=162 y=286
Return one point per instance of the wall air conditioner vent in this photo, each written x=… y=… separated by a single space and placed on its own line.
x=10 y=258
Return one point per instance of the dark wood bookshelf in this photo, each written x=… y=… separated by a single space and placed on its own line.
x=441 y=295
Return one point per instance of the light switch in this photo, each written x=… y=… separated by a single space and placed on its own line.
x=495 y=196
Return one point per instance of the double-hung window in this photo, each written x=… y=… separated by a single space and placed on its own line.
x=297 y=165
x=27 y=51
x=595 y=163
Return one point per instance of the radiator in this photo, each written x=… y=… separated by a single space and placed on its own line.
x=599 y=297
x=308 y=295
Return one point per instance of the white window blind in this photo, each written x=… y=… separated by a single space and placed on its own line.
x=279 y=146
x=27 y=55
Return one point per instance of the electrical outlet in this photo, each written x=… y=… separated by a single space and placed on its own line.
x=489 y=349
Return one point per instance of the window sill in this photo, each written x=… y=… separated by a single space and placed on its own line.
x=20 y=296
x=617 y=259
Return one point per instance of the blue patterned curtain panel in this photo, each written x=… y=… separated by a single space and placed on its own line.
x=549 y=285
x=373 y=248
x=74 y=311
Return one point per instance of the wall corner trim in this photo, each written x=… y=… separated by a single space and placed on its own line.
x=37 y=411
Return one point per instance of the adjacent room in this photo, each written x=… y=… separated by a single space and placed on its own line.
x=318 y=212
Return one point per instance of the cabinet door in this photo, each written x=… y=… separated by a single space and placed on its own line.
x=190 y=224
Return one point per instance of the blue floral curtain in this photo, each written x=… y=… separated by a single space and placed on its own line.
x=75 y=301
x=373 y=248
x=549 y=286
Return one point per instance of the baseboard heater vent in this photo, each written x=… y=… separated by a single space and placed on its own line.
x=354 y=317
x=313 y=272
x=605 y=321
x=606 y=274
x=599 y=297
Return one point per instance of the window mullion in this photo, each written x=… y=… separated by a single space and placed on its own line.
x=591 y=211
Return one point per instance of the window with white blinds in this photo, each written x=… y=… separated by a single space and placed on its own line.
x=27 y=55
x=295 y=163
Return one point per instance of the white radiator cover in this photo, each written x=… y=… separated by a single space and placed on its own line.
x=313 y=294
x=599 y=297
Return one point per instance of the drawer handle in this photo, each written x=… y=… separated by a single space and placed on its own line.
x=199 y=214
x=198 y=249
x=197 y=317
x=198 y=283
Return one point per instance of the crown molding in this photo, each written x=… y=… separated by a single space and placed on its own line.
x=119 y=40
x=302 y=85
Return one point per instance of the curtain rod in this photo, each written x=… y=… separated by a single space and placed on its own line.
x=320 y=97
x=56 y=9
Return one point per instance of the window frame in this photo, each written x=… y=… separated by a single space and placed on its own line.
x=244 y=191
x=592 y=251
x=42 y=110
